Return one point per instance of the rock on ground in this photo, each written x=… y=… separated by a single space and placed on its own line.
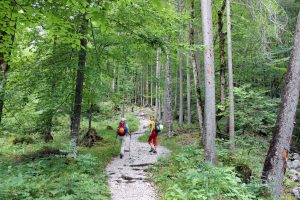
x=293 y=164
x=127 y=177
x=296 y=192
x=294 y=175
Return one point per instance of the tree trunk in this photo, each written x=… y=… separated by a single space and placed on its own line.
x=230 y=82
x=142 y=91
x=90 y=115
x=147 y=86
x=151 y=87
x=180 y=72
x=157 y=83
x=2 y=84
x=188 y=76
x=276 y=160
x=46 y=125
x=188 y=88
x=222 y=52
x=75 y=120
x=117 y=78
x=209 y=109
x=113 y=81
x=168 y=97
x=196 y=71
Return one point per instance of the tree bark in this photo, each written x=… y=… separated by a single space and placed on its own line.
x=113 y=81
x=276 y=160
x=196 y=71
x=209 y=109
x=157 y=83
x=230 y=82
x=188 y=88
x=180 y=70
x=147 y=86
x=90 y=115
x=222 y=52
x=3 y=66
x=75 y=120
x=168 y=97
x=151 y=87
x=180 y=88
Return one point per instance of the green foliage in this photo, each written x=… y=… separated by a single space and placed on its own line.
x=255 y=112
x=186 y=176
x=56 y=177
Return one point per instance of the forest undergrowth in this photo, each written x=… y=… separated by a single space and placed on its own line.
x=184 y=175
x=57 y=176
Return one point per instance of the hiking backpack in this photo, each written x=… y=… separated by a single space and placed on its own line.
x=122 y=130
x=158 y=126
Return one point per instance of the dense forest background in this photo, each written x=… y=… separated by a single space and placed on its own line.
x=68 y=67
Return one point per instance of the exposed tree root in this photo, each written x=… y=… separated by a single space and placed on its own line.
x=90 y=138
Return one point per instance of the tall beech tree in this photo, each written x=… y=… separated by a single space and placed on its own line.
x=210 y=104
x=230 y=81
x=157 y=82
x=196 y=68
x=276 y=161
x=221 y=35
x=75 y=119
x=168 y=116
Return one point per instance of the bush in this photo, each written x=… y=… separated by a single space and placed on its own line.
x=254 y=111
x=187 y=176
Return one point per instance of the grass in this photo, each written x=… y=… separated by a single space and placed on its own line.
x=56 y=177
x=185 y=175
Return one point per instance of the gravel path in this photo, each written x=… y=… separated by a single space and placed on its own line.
x=127 y=176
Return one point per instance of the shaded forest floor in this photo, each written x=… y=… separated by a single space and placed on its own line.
x=55 y=176
x=182 y=175
x=185 y=175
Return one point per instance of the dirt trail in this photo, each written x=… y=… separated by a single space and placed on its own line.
x=127 y=176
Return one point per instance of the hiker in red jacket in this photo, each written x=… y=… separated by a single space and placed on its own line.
x=122 y=131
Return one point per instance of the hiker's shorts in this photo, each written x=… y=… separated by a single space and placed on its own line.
x=153 y=137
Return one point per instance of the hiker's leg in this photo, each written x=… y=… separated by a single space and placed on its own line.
x=122 y=143
x=155 y=135
x=155 y=140
x=150 y=140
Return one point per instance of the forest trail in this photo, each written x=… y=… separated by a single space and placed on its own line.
x=127 y=176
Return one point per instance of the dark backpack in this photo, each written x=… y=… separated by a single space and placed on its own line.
x=157 y=126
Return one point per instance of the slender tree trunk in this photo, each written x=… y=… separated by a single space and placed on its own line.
x=209 y=109
x=157 y=82
x=142 y=91
x=147 y=86
x=180 y=71
x=188 y=76
x=3 y=70
x=151 y=87
x=230 y=82
x=196 y=71
x=90 y=115
x=75 y=120
x=113 y=81
x=117 y=78
x=222 y=52
x=188 y=88
x=168 y=96
x=176 y=95
x=276 y=160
